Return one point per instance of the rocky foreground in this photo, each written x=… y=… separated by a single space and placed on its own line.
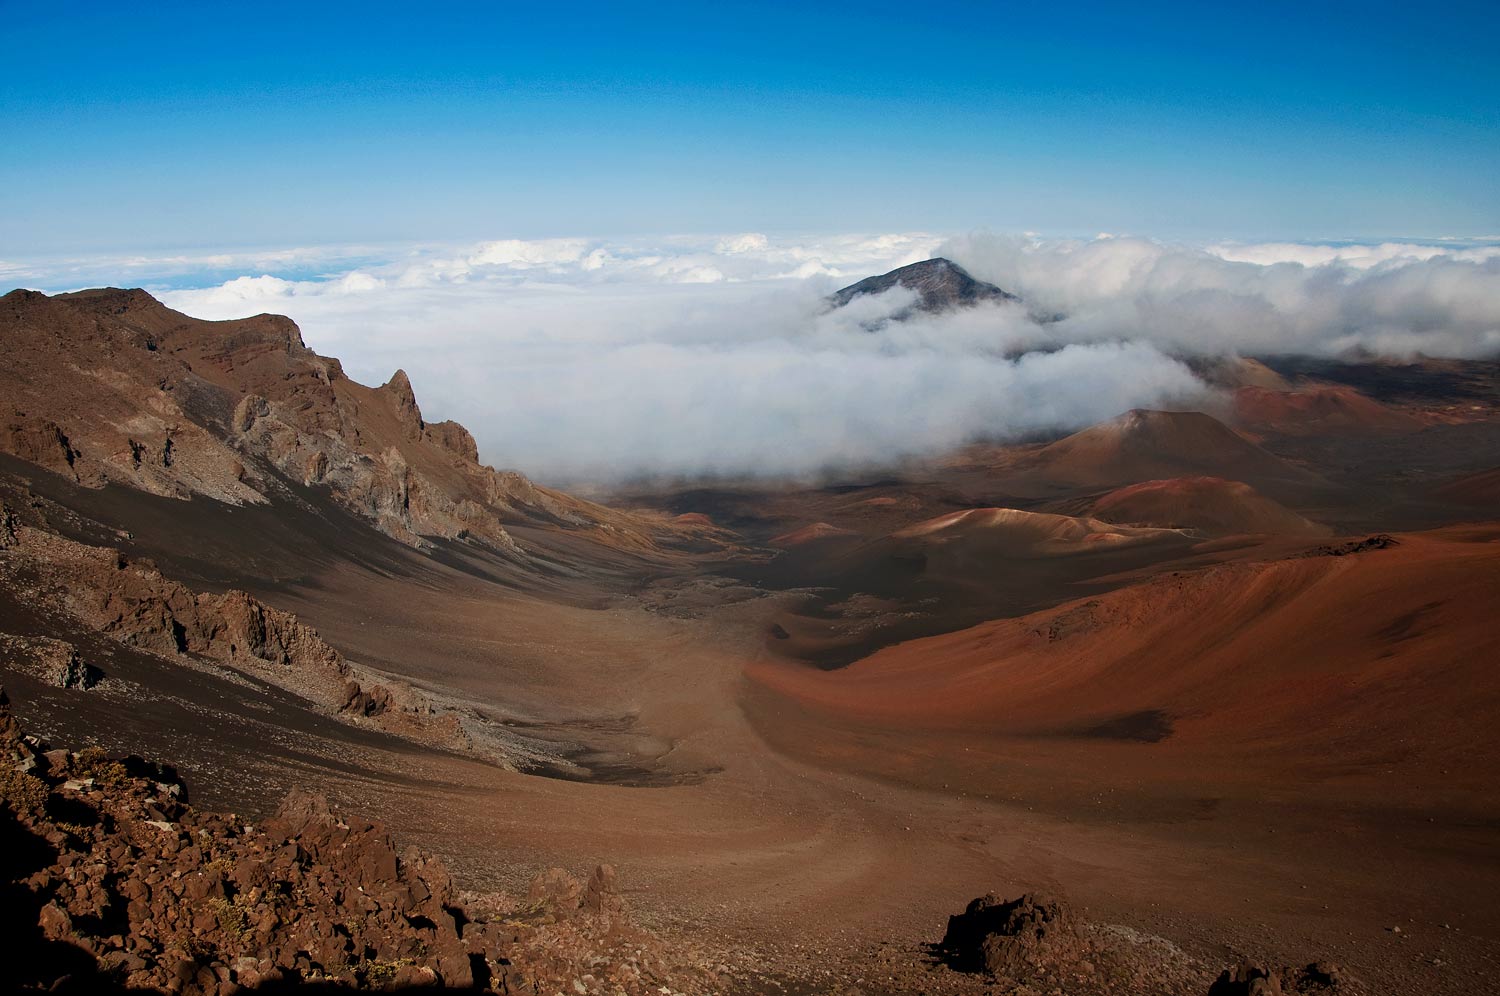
x=1038 y=944
x=111 y=881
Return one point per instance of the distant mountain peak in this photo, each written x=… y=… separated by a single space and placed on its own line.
x=940 y=285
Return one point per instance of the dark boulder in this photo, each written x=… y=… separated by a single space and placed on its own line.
x=1011 y=939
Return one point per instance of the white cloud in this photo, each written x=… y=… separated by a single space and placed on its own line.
x=524 y=255
x=666 y=364
x=232 y=297
x=1393 y=298
x=1356 y=256
x=748 y=242
x=600 y=359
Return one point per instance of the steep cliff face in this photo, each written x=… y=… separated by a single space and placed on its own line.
x=110 y=386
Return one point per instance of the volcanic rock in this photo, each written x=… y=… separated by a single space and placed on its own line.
x=405 y=400
x=54 y=661
x=600 y=896
x=1379 y=541
x=1012 y=939
x=1251 y=979
x=40 y=441
x=940 y=285
x=455 y=439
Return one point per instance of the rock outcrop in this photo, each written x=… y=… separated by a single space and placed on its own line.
x=110 y=386
x=56 y=662
x=1015 y=939
x=40 y=441
x=1378 y=541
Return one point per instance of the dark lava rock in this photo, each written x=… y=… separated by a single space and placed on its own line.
x=1011 y=939
x=111 y=878
x=1379 y=541
x=1248 y=979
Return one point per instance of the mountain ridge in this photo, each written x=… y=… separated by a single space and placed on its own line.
x=109 y=386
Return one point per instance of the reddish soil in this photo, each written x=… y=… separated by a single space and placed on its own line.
x=1481 y=490
x=1209 y=504
x=1151 y=445
x=1320 y=408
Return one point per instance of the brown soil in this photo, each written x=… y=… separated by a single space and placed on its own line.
x=1481 y=490
x=1318 y=408
x=1151 y=445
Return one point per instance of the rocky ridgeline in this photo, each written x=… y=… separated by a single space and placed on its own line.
x=110 y=386
x=131 y=601
x=111 y=879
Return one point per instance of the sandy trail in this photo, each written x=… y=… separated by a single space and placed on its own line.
x=837 y=839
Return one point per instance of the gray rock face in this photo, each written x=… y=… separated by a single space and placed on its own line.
x=940 y=285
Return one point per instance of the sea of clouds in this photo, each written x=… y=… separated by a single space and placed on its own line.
x=594 y=360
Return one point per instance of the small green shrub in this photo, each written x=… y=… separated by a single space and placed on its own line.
x=381 y=973
x=23 y=793
x=95 y=763
x=233 y=918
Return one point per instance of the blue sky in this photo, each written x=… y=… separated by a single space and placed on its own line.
x=213 y=125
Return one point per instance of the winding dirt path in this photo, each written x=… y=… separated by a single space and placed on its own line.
x=810 y=842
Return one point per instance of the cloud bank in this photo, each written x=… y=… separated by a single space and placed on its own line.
x=1396 y=299
x=588 y=360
